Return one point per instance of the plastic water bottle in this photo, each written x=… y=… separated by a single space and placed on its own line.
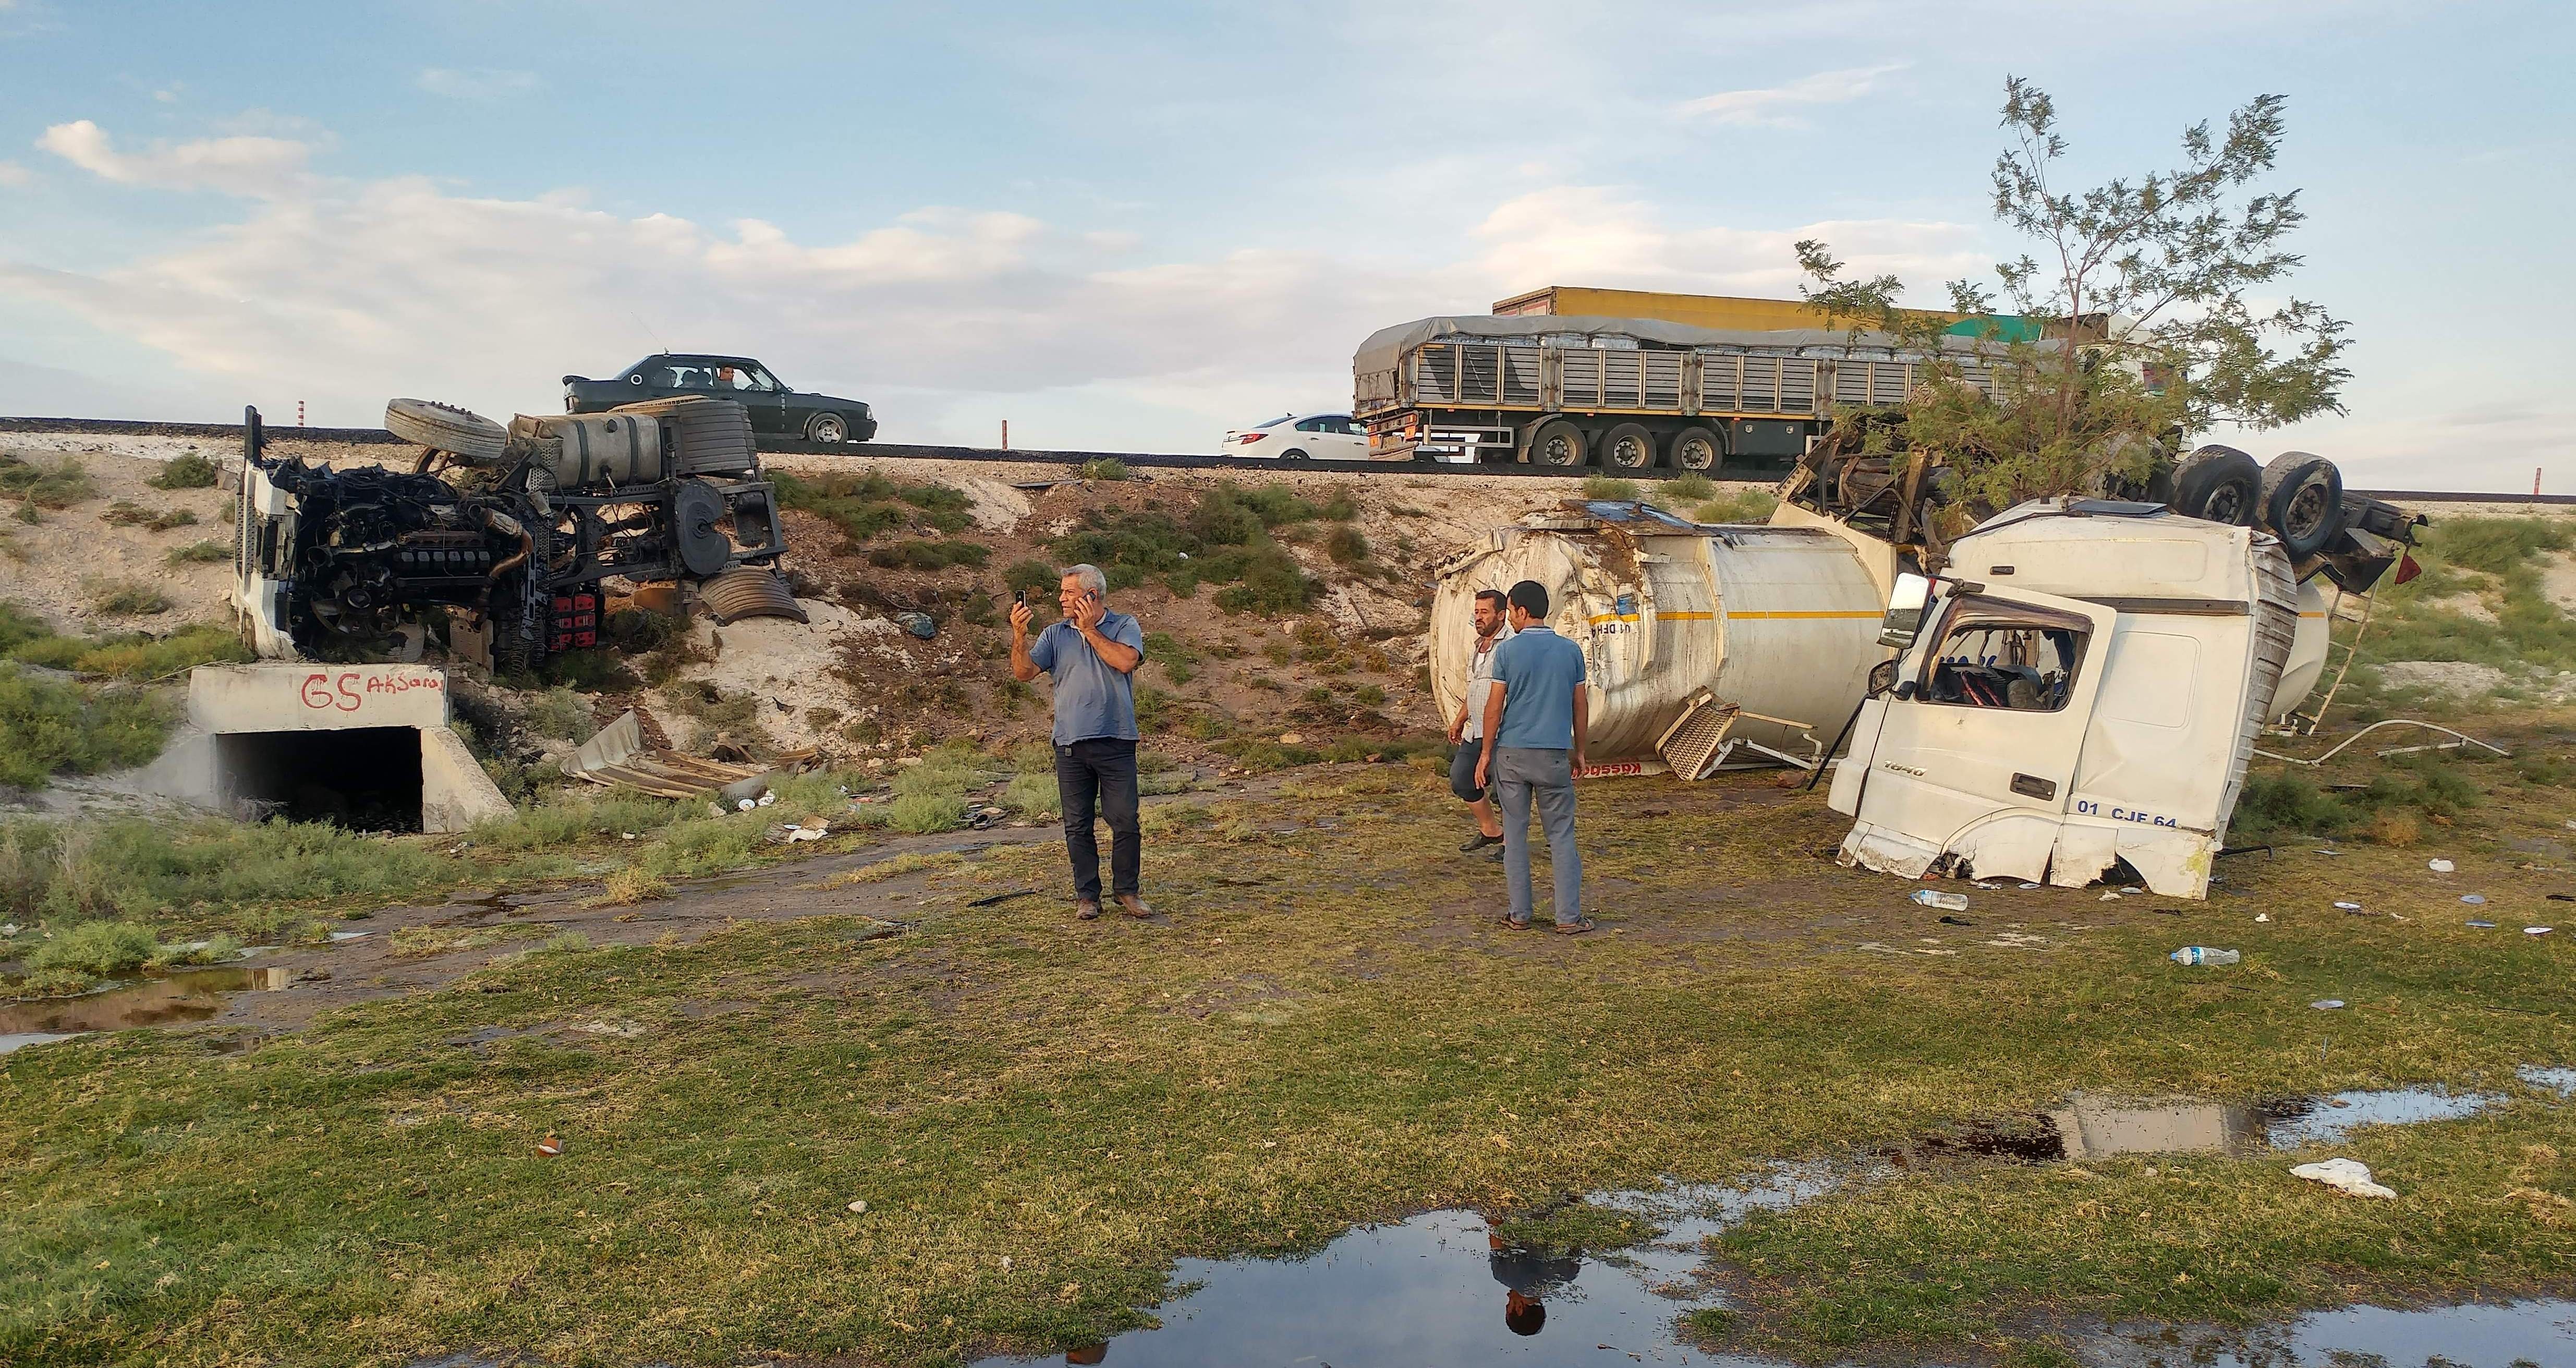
x=2202 y=954
x=1947 y=902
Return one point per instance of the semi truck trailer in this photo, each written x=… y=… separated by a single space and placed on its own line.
x=1627 y=393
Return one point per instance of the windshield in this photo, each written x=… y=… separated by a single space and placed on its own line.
x=1278 y=420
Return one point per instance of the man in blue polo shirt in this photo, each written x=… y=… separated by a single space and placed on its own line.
x=1536 y=719
x=1093 y=654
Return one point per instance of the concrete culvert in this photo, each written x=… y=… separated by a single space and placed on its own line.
x=362 y=746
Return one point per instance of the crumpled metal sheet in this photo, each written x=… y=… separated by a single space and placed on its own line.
x=750 y=591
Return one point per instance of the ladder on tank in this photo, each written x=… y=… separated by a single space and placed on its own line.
x=1700 y=741
x=2306 y=724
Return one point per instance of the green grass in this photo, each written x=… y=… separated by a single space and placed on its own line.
x=1327 y=1033
x=49 y=727
x=2498 y=560
x=1610 y=488
x=126 y=598
x=99 y=949
x=1225 y=539
x=200 y=553
x=864 y=505
x=928 y=555
x=1743 y=506
x=185 y=471
x=1105 y=468
x=124 y=514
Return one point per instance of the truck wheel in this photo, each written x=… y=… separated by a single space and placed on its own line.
x=1628 y=447
x=2302 y=502
x=826 y=427
x=445 y=427
x=2218 y=484
x=1696 y=448
x=1555 y=442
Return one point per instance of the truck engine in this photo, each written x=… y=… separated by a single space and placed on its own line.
x=497 y=541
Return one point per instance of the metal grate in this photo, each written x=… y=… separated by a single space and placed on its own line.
x=1721 y=382
x=1691 y=746
x=1761 y=384
x=1622 y=379
x=1435 y=375
x=1797 y=386
x=1889 y=382
x=1663 y=380
x=1582 y=378
x=1520 y=375
x=1480 y=375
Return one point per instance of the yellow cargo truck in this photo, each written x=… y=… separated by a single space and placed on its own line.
x=1736 y=313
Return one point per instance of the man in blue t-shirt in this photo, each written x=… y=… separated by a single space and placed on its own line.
x=1536 y=719
x=1093 y=654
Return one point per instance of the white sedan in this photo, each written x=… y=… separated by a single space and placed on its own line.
x=1301 y=437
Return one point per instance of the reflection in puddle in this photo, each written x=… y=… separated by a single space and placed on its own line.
x=2522 y=1333
x=2559 y=1081
x=2091 y=1127
x=1435 y=1291
x=189 y=995
x=2328 y=1120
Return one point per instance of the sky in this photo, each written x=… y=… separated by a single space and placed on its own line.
x=1131 y=227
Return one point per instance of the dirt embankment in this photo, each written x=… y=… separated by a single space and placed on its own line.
x=857 y=681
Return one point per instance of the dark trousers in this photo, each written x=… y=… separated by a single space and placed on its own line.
x=1099 y=774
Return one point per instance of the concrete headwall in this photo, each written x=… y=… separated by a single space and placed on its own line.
x=270 y=698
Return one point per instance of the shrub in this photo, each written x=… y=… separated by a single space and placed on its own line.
x=35 y=486
x=926 y=812
x=138 y=656
x=200 y=553
x=1270 y=582
x=1105 y=468
x=188 y=470
x=1609 y=487
x=560 y=713
x=595 y=670
x=863 y=505
x=1034 y=795
x=126 y=598
x=1346 y=546
x=1743 y=506
x=99 y=949
x=48 y=727
x=928 y=555
x=1691 y=488
x=630 y=886
x=2496 y=546
x=123 y=514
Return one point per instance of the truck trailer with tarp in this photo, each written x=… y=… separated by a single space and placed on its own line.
x=1629 y=393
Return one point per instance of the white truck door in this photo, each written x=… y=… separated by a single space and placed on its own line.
x=1980 y=758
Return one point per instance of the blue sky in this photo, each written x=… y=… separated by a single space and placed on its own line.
x=1129 y=228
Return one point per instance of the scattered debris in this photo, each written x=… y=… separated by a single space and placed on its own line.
x=1956 y=921
x=857 y=1208
x=2349 y=906
x=921 y=625
x=550 y=1146
x=2538 y=930
x=2439 y=866
x=617 y=757
x=2474 y=899
x=2262 y=916
x=1948 y=902
x=2327 y=1004
x=999 y=898
x=747 y=591
x=2483 y=925
x=2343 y=1175
x=2202 y=954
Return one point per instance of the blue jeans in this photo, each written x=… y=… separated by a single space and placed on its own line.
x=1522 y=778
x=1100 y=773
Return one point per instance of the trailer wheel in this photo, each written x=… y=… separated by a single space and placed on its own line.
x=2218 y=484
x=1696 y=448
x=1555 y=442
x=1628 y=447
x=2302 y=502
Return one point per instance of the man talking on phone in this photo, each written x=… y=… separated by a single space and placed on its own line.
x=1093 y=654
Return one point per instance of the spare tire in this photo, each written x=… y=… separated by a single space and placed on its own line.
x=445 y=427
x=2302 y=502
x=2219 y=484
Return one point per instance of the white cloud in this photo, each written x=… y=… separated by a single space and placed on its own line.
x=478 y=83
x=347 y=294
x=244 y=164
x=1756 y=108
x=12 y=174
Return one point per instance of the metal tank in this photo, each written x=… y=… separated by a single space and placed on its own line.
x=1705 y=645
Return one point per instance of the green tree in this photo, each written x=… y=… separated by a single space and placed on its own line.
x=2141 y=286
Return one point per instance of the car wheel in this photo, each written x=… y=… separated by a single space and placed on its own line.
x=2218 y=484
x=1629 y=447
x=2302 y=502
x=826 y=427
x=1697 y=449
x=1555 y=442
x=1295 y=454
x=445 y=427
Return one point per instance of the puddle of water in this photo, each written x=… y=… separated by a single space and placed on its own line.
x=2532 y=1333
x=1434 y=1291
x=189 y=995
x=2559 y=1080
x=2326 y=1121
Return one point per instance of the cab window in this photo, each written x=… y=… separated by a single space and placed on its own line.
x=1995 y=654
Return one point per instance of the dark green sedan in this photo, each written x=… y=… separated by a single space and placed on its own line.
x=774 y=407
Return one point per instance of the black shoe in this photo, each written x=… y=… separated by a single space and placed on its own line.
x=1482 y=840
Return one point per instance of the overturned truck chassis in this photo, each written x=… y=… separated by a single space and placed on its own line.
x=364 y=562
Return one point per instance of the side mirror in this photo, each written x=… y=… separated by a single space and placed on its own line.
x=1906 y=691
x=1882 y=677
x=1905 y=611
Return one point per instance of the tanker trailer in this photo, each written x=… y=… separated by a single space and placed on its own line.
x=1706 y=645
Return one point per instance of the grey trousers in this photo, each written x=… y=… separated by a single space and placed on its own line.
x=1523 y=777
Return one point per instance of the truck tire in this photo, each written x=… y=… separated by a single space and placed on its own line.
x=1696 y=448
x=1555 y=442
x=2302 y=502
x=2219 y=484
x=827 y=427
x=445 y=427
x=1629 y=447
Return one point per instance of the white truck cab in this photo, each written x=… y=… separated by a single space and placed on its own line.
x=2082 y=685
